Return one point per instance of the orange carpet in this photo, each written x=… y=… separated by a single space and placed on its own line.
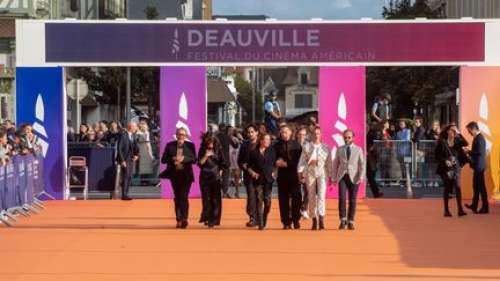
x=115 y=240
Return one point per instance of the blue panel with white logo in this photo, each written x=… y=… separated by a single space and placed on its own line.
x=40 y=103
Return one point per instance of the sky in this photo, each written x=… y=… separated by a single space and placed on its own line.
x=301 y=9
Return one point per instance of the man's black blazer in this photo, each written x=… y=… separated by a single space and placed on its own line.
x=170 y=152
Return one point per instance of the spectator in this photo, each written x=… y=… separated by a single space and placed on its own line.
x=113 y=133
x=83 y=135
x=381 y=108
x=262 y=129
x=10 y=130
x=434 y=132
x=419 y=133
x=5 y=149
x=145 y=151
x=375 y=133
x=404 y=145
x=91 y=136
x=29 y=140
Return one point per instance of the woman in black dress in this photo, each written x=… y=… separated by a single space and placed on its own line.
x=211 y=162
x=451 y=158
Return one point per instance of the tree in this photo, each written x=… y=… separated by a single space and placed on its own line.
x=409 y=86
x=245 y=95
x=151 y=12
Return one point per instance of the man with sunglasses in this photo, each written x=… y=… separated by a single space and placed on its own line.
x=348 y=171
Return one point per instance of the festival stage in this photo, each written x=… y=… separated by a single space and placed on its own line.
x=136 y=240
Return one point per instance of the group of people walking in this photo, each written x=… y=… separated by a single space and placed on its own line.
x=296 y=164
x=452 y=155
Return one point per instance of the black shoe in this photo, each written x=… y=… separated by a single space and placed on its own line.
x=296 y=224
x=261 y=227
x=473 y=208
x=461 y=213
x=126 y=198
x=343 y=225
x=287 y=226
x=184 y=224
x=315 y=224
x=321 y=223
x=178 y=225
x=447 y=214
x=483 y=211
x=350 y=226
x=251 y=224
x=210 y=224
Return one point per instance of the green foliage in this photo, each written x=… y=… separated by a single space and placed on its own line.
x=405 y=9
x=409 y=85
x=151 y=12
x=245 y=99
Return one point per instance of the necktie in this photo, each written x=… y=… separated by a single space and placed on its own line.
x=348 y=152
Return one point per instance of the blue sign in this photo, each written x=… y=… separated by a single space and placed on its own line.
x=40 y=103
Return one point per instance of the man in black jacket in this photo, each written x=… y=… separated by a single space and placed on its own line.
x=243 y=162
x=127 y=153
x=288 y=155
x=179 y=156
x=478 y=164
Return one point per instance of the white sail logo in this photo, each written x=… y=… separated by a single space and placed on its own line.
x=38 y=128
x=340 y=124
x=176 y=46
x=482 y=123
x=183 y=114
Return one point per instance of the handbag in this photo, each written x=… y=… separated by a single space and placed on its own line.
x=451 y=173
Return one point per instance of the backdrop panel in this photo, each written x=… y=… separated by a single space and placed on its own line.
x=480 y=96
x=40 y=103
x=183 y=101
x=342 y=100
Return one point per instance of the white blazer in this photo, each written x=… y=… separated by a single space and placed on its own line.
x=322 y=168
x=355 y=167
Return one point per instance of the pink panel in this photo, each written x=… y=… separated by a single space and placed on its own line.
x=342 y=92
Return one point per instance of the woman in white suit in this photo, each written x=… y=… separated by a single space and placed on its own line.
x=314 y=168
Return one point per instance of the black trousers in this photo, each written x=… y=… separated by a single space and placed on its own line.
x=289 y=192
x=181 y=186
x=126 y=177
x=251 y=201
x=264 y=193
x=212 y=201
x=226 y=174
x=370 y=175
x=450 y=186
x=479 y=188
x=347 y=189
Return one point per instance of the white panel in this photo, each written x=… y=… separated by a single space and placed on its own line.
x=492 y=43
x=30 y=43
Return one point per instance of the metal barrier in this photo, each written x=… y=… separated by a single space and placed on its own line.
x=21 y=184
x=401 y=161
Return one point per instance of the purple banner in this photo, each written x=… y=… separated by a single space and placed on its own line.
x=264 y=42
x=183 y=102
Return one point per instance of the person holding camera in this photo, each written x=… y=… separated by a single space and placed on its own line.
x=451 y=157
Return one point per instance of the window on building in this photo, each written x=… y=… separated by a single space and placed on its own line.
x=303 y=101
x=303 y=79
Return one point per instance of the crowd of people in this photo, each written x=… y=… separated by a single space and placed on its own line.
x=14 y=141
x=296 y=158
x=104 y=134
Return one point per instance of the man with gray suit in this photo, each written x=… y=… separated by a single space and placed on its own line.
x=348 y=171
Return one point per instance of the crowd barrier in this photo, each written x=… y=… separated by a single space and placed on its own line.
x=398 y=161
x=21 y=187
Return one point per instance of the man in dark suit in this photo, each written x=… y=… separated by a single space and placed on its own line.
x=478 y=165
x=179 y=156
x=288 y=153
x=127 y=153
x=224 y=140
